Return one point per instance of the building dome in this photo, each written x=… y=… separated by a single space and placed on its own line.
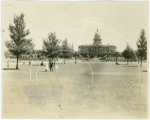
x=97 y=36
x=97 y=39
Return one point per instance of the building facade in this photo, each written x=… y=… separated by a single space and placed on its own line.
x=97 y=49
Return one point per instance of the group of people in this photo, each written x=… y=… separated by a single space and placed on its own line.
x=52 y=65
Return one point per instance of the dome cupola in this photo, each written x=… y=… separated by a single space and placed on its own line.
x=97 y=39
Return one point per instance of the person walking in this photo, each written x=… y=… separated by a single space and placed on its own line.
x=51 y=65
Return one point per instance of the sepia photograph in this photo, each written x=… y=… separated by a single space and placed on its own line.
x=74 y=60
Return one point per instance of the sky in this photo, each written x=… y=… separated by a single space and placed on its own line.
x=117 y=22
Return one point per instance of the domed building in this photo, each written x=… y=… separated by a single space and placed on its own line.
x=97 y=39
x=97 y=49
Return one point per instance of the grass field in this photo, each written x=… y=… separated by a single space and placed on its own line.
x=114 y=91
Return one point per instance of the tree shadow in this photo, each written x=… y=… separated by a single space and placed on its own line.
x=130 y=66
x=37 y=65
x=44 y=71
x=47 y=71
x=10 y=69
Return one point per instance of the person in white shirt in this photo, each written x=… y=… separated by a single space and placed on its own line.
x=46 y=68
x=56 y=65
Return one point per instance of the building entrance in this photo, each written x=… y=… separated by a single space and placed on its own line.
x=96 y=50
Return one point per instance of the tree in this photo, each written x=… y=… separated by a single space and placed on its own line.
x=18 y=44
x=142 y=46
x=72 y=48
x=84 y=53
x=60 y=55
x=30 y=56
x=6 y=54
x=135 y=57
x=66 y=49
x=51 y=46
x=128 y=53
x=38 y=56
x=92 y=55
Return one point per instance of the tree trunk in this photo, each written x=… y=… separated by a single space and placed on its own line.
x=64 y=60
x=141 y=61
x=127 y=62
x=17 y=62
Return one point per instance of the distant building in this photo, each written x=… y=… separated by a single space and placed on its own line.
x=97 y=49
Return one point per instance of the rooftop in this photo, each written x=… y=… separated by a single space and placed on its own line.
x=95 y=45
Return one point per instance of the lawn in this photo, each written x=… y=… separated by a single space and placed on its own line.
x=114 y=91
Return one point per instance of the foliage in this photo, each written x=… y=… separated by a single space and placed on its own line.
x=18 y=44
x=51 y=46
x=91 y=55
x=128 y=53
x=100 y=55
x=142 y=46
x=38 y=56
x=66 y=49
x=6 y=54
x=84 y=53
x=60 y=55
x=30 y=56
x=72 y=48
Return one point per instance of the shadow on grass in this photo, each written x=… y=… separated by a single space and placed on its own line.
x=10 y=69
x=46 y=71
x=43 y=71
x=37 y=65
x=144 y=71
x=130 y=66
